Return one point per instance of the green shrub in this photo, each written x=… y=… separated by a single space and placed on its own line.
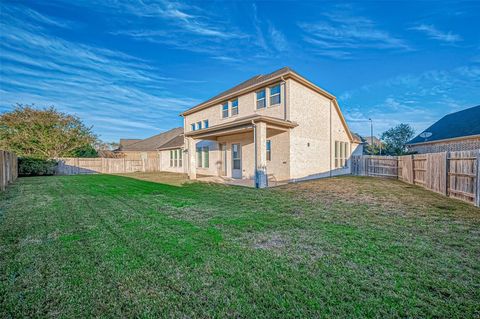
x=28 y=166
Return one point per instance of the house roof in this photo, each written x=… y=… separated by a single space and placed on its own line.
x=454 y=125
x=173 y=138
x=252 y=83
x=368 y=140
x=259 y=81
x=128 y=141
x=357 y=138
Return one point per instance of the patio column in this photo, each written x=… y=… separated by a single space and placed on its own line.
x=191 y=153
x=261 y=155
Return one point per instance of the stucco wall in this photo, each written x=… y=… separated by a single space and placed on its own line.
x=165 y=162
x=357 y=149
x=454 y=145
x=246 y=106
x=312 y=151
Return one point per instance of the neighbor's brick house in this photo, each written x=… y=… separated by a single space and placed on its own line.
x=458 y=131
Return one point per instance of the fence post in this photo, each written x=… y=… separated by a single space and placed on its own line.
x=413 y=169
x=447 y=171
x=477 y=190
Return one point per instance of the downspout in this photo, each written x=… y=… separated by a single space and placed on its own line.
x=284 y=98
x=255 y=152
x=330 y=159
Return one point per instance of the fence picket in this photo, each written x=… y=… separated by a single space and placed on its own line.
x=453 y=174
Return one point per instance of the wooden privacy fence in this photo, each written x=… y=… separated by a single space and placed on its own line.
x=75 y=165
x=453 y=174
x=8 y=168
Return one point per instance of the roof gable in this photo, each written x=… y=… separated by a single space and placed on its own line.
x=454 y=125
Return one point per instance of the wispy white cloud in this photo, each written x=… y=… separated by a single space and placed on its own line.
x=269 y=40
x=417 y=99
x=106 y=88
x=342 y=32
x=279 y=41
x=433 y=33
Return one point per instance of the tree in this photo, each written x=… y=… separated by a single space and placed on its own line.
x=43 y=133
x=396 y=138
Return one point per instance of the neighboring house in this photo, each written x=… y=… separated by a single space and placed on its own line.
x=376 y=140
x=360 y=144
x=278 y=125
x=166 y=147
x=458 y=131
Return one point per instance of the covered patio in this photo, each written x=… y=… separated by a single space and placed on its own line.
x=242 y=153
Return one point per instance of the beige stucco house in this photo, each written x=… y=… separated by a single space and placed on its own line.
x=274 y=127
x=163 y=151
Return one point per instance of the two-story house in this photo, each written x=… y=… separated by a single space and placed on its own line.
x=277 y=126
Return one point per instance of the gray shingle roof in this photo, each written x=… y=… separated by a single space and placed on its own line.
x=157 y=141
x=128 y=141
x=458 y=124
x=248 y=83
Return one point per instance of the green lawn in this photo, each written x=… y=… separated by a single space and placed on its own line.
x=115 y=246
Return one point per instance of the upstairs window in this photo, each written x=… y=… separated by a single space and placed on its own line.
x=269 y=150
x=275 y=95
x=234 y=107
x=205 y=123
x=225 y=110
x=261 y=102
x=192 y=126
x=199 y=125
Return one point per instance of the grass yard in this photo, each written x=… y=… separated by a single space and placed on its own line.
x=115 y=246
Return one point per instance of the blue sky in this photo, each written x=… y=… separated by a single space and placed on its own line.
x=129 y=68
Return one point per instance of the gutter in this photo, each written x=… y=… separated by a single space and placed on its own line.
x=284 y=98
x=255 y=152
x=445 y=140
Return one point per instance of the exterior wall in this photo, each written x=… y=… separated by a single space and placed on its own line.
x=246 y=106
x=306 y=151
x=165 y=162
x=163 y=156
x=357 y=149
x=311 y=149
x=277 y=168
x=455 y=145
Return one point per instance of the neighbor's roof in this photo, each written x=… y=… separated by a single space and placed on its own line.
x=454 y=125
x=169 y=139
x=368 y=140
x=357 y=138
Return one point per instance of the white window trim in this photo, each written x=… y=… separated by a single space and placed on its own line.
x=222 y=110
x=270 y=95
x=231 y=107
x=256 y=99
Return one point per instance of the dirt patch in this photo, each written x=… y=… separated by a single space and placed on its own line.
x=270 y=241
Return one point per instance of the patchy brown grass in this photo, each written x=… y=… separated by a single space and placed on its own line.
x=112 y=246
